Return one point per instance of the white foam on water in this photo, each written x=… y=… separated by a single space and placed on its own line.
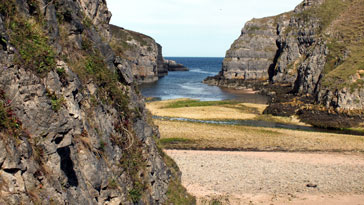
x=192 y=89
x=202 y=71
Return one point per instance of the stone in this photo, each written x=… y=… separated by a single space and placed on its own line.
x=172 y=65
x=72 y=133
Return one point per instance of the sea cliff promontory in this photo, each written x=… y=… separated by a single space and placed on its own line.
x=310 y=58
x=143 y=54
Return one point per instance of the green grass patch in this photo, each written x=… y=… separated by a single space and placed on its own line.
x=166 y=141
x=134 y=165
x=90 y=65
x=345 y=45
x=197 y=103
x=339 y=69
x=35 y=52
x=7 y=8
x=254 y=28
x=56 y=101
x=136 y=192
x=29 y=38
x=119 y=42
x=271 y=118
x=215 y=202
x=176 y=193
x=325 y=12
x=356 y=130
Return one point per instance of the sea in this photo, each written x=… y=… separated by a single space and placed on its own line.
x=188 y=84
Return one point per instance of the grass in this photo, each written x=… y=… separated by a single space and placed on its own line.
x=210 y=110
x=339 y=72
x=176 y=193
x=127 y=35
x=175 y=141
x=213 y=110
x=278 y=119
x=121 y=39
x=28 y=35
x=197 y=103
x=325 y=12
x=9 y=123
x=32 y=43
x=341 y=26
x=229 y=137
x=56 y=101
x=134 y=163
x=345 y=43
x=89 y=64
x=215 y=202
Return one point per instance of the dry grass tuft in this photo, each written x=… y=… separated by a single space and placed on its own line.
x=230 y=137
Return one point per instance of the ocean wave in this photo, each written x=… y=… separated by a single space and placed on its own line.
x=192 y=89
x=203 y=71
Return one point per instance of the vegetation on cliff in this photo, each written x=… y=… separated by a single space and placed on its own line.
x=317 y=55
x=341 y=25
x=345 y=62
x=73 y=126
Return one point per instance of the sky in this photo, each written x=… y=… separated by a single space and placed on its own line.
x=193 y=28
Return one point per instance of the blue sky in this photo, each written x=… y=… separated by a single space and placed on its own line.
x=193 y=28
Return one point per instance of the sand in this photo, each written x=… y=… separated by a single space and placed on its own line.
x=272 y=177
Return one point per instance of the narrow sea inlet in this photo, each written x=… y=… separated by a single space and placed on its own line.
x=188 y=84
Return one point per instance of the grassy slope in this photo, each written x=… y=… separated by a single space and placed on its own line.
x=343 y=27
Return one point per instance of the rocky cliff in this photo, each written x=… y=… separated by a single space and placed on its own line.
x=172 y=65
x=141 y=52
x=73 y=128
x=316 y=50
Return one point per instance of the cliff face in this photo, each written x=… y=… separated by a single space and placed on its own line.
x=73 y=128
x=141 y=52
x=253 y=52
x=317 y=49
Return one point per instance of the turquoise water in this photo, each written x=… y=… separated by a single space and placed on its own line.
x=189 y=84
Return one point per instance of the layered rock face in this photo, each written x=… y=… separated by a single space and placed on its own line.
x=316 y=49
x=253 y=52
x=73 y=128
x=141 y=52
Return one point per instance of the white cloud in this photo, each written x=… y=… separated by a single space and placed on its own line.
x=212 y=24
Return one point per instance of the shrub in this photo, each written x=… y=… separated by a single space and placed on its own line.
x=56 y=102
x=28 y=37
